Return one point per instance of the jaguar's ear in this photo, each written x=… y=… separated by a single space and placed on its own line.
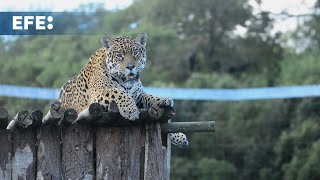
x=142 y=39
x=106 y=42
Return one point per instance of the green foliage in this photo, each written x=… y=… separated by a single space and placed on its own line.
x=204 y=168
x=204 y=80
x=215 y=170
x=301 y=69
x=298 y=149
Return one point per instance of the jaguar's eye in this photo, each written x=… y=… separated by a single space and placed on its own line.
x=119 y=55
x=135 y=51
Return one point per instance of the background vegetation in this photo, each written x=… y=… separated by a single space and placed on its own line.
x=194 y=44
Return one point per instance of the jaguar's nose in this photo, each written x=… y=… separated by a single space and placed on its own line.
x=131 y=66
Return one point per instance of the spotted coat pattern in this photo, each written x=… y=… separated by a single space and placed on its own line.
x=112 y=74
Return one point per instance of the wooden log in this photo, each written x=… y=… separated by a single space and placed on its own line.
x=202 y=126
x=154 y=114
x=54 y=115
x=160 y=114
x=69 y=116
x=166 y=163
x=113 y=118
x=24 y=154
x=23 y=119
x=77 y=152
x=49 y=154
x=5 y=154
x=33 y=119
x=89 y=114
x=18 y=120
x=118 y=152
x=153 y=163
x=166 y=155
x=3 y=118
x=142 y=154
x=94 y=114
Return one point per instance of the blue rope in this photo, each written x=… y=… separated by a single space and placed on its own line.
x=183 y=93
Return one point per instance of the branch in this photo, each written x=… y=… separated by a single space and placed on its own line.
x=33 y=119
x=23 y=119
x=54 y=115
x=292 y=15
x=17 y=120
x=90 y=113
x=202 y=126
x=69 y=116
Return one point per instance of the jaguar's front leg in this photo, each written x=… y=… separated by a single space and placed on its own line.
x=126 y=105
x=149 y=100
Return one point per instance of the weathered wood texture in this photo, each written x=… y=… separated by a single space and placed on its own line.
x=118 y=153
x=54 y=114
x=24 y=154
x=96 y=144
x=166 y=161
x=96 y=116
x=77 y=152
x=69 y=116
x=153 y=165
x=3 y=118
x=49 y=165
x=5 y=154
x=166 y=154
x=18 y=120
x=6 y=146
x=84 y=152
x=202 y=126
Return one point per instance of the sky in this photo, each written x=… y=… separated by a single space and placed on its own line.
x=58 y=5
x=294 y=7
x=276 y=6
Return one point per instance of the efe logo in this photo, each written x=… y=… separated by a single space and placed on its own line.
x=23 y=22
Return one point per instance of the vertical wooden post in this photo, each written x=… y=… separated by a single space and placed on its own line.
x=6 y=146
x=166 y=161
x=129 y=152
x=118 y=152
x=24 y=154
x=5 y=154
x=166 y=155
x=3 y=118
x=153 y=165
x=77 y=152
x=49 y=153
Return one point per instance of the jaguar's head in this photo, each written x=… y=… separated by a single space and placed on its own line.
x=125 y=56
